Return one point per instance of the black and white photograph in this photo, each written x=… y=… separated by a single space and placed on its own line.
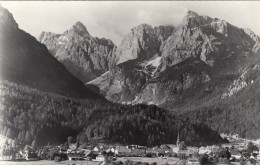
x=129 y=82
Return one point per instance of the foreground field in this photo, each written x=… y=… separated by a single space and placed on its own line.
x=170 y=160
x=48 y=162
x=123 y=159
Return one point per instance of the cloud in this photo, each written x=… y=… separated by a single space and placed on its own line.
x=114 y=19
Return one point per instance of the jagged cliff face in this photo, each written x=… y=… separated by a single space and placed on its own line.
x=142 y=43
x=137 y=58
x=84 y=56
x=205 y=38
x=25 y=61
x=166 y=65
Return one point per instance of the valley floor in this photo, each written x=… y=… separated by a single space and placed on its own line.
x=158 y=160
x=48 y=162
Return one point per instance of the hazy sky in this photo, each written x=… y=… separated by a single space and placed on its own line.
x=115 y=19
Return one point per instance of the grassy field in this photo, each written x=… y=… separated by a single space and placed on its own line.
x=48 y=162
x=158 y=160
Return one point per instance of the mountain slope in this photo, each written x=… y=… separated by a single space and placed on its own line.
x=137 y=58
x=29 y=114
x=233 y=110
x=84 y=56
x=24 y=60
x=202 y=53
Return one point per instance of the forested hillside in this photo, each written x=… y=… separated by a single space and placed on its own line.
x=237 y=111
x=28 y=114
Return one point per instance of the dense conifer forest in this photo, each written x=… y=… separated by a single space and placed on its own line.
x=29 y=115
x=237 y=114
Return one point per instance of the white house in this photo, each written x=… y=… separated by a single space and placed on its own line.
x=193 y=160
x=97 y=148
x=235 y=154
x=99 y=158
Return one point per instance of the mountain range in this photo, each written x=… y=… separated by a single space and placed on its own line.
x=164 y=65
x=204 y=63
x=201 y=76
x=43 y=102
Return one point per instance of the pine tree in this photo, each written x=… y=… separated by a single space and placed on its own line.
x=9 y=133
x=27 y=138
x=34 y=144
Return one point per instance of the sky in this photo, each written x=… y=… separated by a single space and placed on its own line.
x=114 y=19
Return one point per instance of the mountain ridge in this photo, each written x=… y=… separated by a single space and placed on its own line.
x=224 y=48
x=84 y=56
x=26 y=61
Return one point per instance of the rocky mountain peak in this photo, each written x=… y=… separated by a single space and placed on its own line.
x=255 y=37
x=252 y=35
x=141 y=29
x=193 y=20
x=6 y=18
x=79 y=28
x=85 y=56
x=191 y=14
x=141 y=43
x=164 y=31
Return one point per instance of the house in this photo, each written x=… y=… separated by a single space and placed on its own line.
x=75 y=156
x=166 y=148
x=150 y=152
x=93 y=154
x=235 y=154
x=204 y=150
x=113 y=149
x=138 y=151
x=193 y=160
x=183 y=154
x=97 y=148
x=99 y=158
x=160 y=151
x=189 y=152
x=174 y=148
x=193 y=150
x=251 y=161
x=85 y=153
x=123 y=151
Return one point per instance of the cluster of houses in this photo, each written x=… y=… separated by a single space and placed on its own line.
x=103 y=152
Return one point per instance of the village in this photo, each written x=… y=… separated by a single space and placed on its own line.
x=238 y=151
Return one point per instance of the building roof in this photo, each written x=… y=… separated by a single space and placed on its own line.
x=100 y=155
x=74 y=155
x=193 y=159
x=183 y=151
x=235 y=152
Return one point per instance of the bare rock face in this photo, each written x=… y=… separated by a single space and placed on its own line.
x=256 y=38
x=140 y=44
x=137 y=58
x=166 y=65
x=84 y=56
x=205 y=38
